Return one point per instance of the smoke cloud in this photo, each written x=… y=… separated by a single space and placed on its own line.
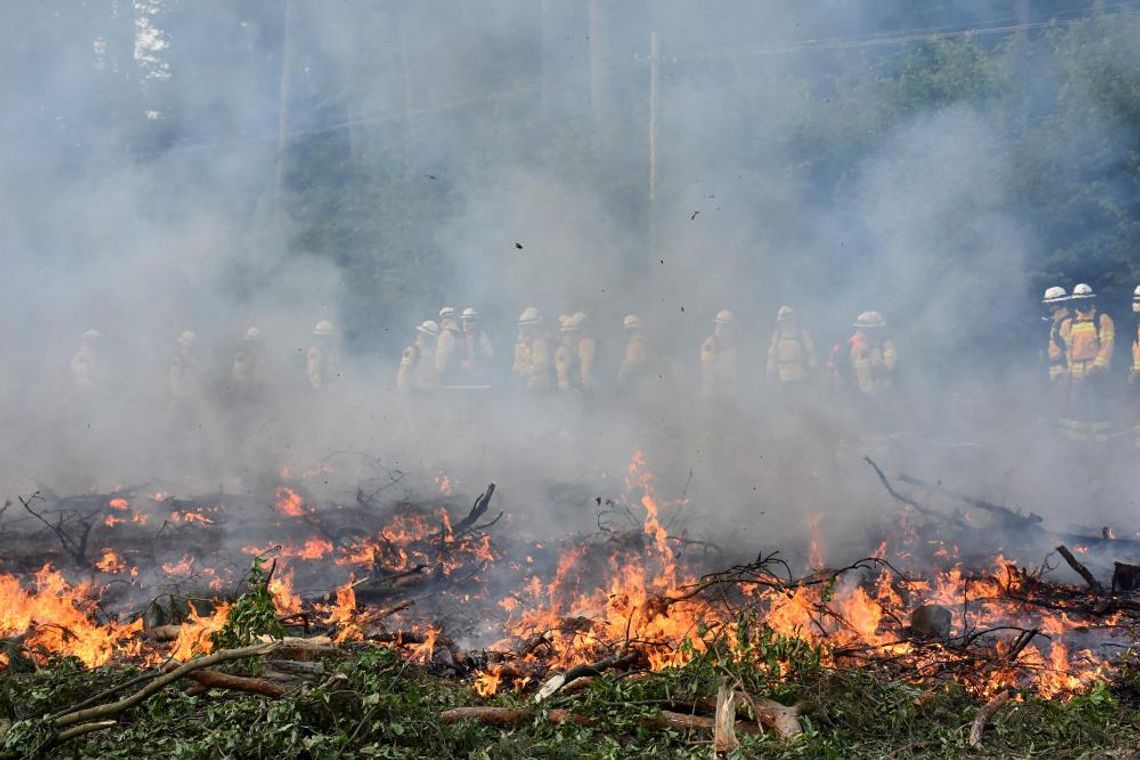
x=502 y=156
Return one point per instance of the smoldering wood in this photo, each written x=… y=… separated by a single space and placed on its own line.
x=1080 y=569
x=1125 y=577
x=1005 y=515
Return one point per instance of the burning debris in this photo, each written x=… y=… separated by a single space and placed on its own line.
x=629 y=598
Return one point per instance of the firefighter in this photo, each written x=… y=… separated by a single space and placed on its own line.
x=185 y=371
x=448 y=348
x=873 y=357
x=719 y=375
x=586 y=349
x=85 y=366
x=1055 y=302
x=322 y=364
x=248 y=371
x=792 y=358
x=478 y=351
x=1092 y=336
x=532 y=364
x=635 y=363
x=1134 y=371
x=567 y=360
x=417 y=364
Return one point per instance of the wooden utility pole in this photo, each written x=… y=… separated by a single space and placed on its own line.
x=599 y=51
x=283 y=114
x=653 y=61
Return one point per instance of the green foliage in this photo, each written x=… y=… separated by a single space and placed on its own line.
x=377 y=705
x=253 y=613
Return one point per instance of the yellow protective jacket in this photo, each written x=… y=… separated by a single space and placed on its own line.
x=873 y=363
x=587 y=355
x=567 y=368
x=248 y=369
x=1091 y=338
x=448 y=353
x=322 y=366
x=1135 y=371
x=636 y=360
x=83 y=368
x=1058 y=350
x=417 y=370
x=791 y=354
x=477 y=351
x=719 y=374
x=533 y=363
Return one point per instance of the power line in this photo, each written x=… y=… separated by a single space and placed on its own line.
x=533 y=85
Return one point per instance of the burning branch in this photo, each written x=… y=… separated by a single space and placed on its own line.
x=478 y=509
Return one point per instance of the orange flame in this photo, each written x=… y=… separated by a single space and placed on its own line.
x=289 y=502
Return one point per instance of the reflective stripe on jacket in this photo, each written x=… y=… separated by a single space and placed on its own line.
x=1091 y=338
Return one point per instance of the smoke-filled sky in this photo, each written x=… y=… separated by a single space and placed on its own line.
x=175 y=165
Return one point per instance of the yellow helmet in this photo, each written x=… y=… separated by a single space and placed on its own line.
x=631 y=322
x=324 y=327
x=1083 y=291
x=530 y=316
x=724 y=317
x=870 y=319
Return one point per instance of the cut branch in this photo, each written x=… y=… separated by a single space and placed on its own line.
x=1080 y=569
x=984 y=716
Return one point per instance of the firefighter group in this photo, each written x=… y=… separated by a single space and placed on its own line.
x=1078 y=355
x=454 y=352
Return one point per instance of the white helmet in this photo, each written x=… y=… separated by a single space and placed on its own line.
x=530 y=316
x=188 y=338
x=869 y=319
x=631 y=322
x=252 y=334
x=447 y=312
x=324 y=327
x=93 y=335
x=1055 y=294
x=724 y=317
x=784 y=313
x=1136 y=300
x=429 y=328
x=1083 y=291
x=469 y=314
